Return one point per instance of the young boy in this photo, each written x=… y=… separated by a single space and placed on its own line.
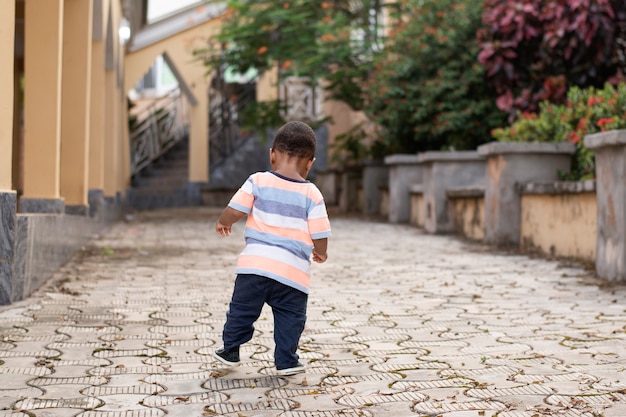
x=287 y=225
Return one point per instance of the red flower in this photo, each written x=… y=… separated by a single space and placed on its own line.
x=605 y=121
x=573 y=137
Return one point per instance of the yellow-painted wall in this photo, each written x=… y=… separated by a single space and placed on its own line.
x=417 y=215
x=7 y=33
x=384 y=203
x=469 y=216
x=561 y=225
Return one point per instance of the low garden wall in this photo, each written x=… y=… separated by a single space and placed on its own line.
x=519 y=202
x=559 y=219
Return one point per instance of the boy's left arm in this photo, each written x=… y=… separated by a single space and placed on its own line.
x=224 y=225
x=320 y=250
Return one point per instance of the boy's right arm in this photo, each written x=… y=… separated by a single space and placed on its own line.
x=224 y=225
x=320 y=248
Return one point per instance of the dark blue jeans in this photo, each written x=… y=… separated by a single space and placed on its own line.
x=288 y=306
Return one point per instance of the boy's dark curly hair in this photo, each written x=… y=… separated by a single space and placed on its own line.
x=296 y=139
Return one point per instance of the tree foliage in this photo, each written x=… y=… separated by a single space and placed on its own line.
x=534 y=50
x=330 y=40
x=428 y=91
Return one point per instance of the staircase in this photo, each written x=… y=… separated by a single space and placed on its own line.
x=164 y=183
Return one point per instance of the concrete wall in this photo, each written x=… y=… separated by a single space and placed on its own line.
x=375 y=176
x=404 y=171
x=559 y=219
x=440 y=172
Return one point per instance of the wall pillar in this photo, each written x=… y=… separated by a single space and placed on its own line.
x=404 y=171
x=97 y=111
x=76 y=100
x=442 y=171
x=610 y=150
x=511 y=163
x=42 y=106
x=375 y=175
x=7 y=197
x=110 y=135
x=7 y=34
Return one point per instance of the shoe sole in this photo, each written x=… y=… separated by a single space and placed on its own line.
x=224 y=361
x=291 y=371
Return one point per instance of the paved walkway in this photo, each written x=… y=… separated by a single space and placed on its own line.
x=400 y=324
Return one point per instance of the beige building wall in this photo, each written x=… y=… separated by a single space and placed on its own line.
x=267 y=85
x=42 y=99
x=343 y=119
x=560 y=225
x=7 y=34
x=179 y=49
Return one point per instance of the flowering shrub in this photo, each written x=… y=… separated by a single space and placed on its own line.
x=535 y=50
x=427 y=91
x=586 y=111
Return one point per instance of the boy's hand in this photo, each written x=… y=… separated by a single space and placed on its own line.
x=223 y=230
x=320 y=259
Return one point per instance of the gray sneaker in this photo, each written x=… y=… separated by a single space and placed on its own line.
x=298 y=369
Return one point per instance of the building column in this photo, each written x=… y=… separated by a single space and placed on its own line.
x=96 y=117
x=8 y=203
x=111 y=104
x=76 y=100
x=110 y=134
x=7 y=39
x=42 y=106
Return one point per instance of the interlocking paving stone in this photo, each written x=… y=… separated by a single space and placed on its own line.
x=436 y=408
x=438 y=328
x=204 y=397
x=143 y=412
x=221 y=384
x=450 y=382
x=349 y=412
x=38 y=371
x=40 y=338
x=83 y=362
x=274 y=404
x=78 y=403
x=361 y=400
x=86 y=380
x=123 y=370
x=147 y=389
x=532 y=389
x=39 y=354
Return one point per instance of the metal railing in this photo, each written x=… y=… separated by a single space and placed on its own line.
x=157 y=128
x=227 y=101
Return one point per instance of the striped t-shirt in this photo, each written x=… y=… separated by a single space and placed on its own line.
x=284 y=217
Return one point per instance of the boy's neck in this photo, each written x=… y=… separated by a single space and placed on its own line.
x=290 y=167
x=287 y=172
